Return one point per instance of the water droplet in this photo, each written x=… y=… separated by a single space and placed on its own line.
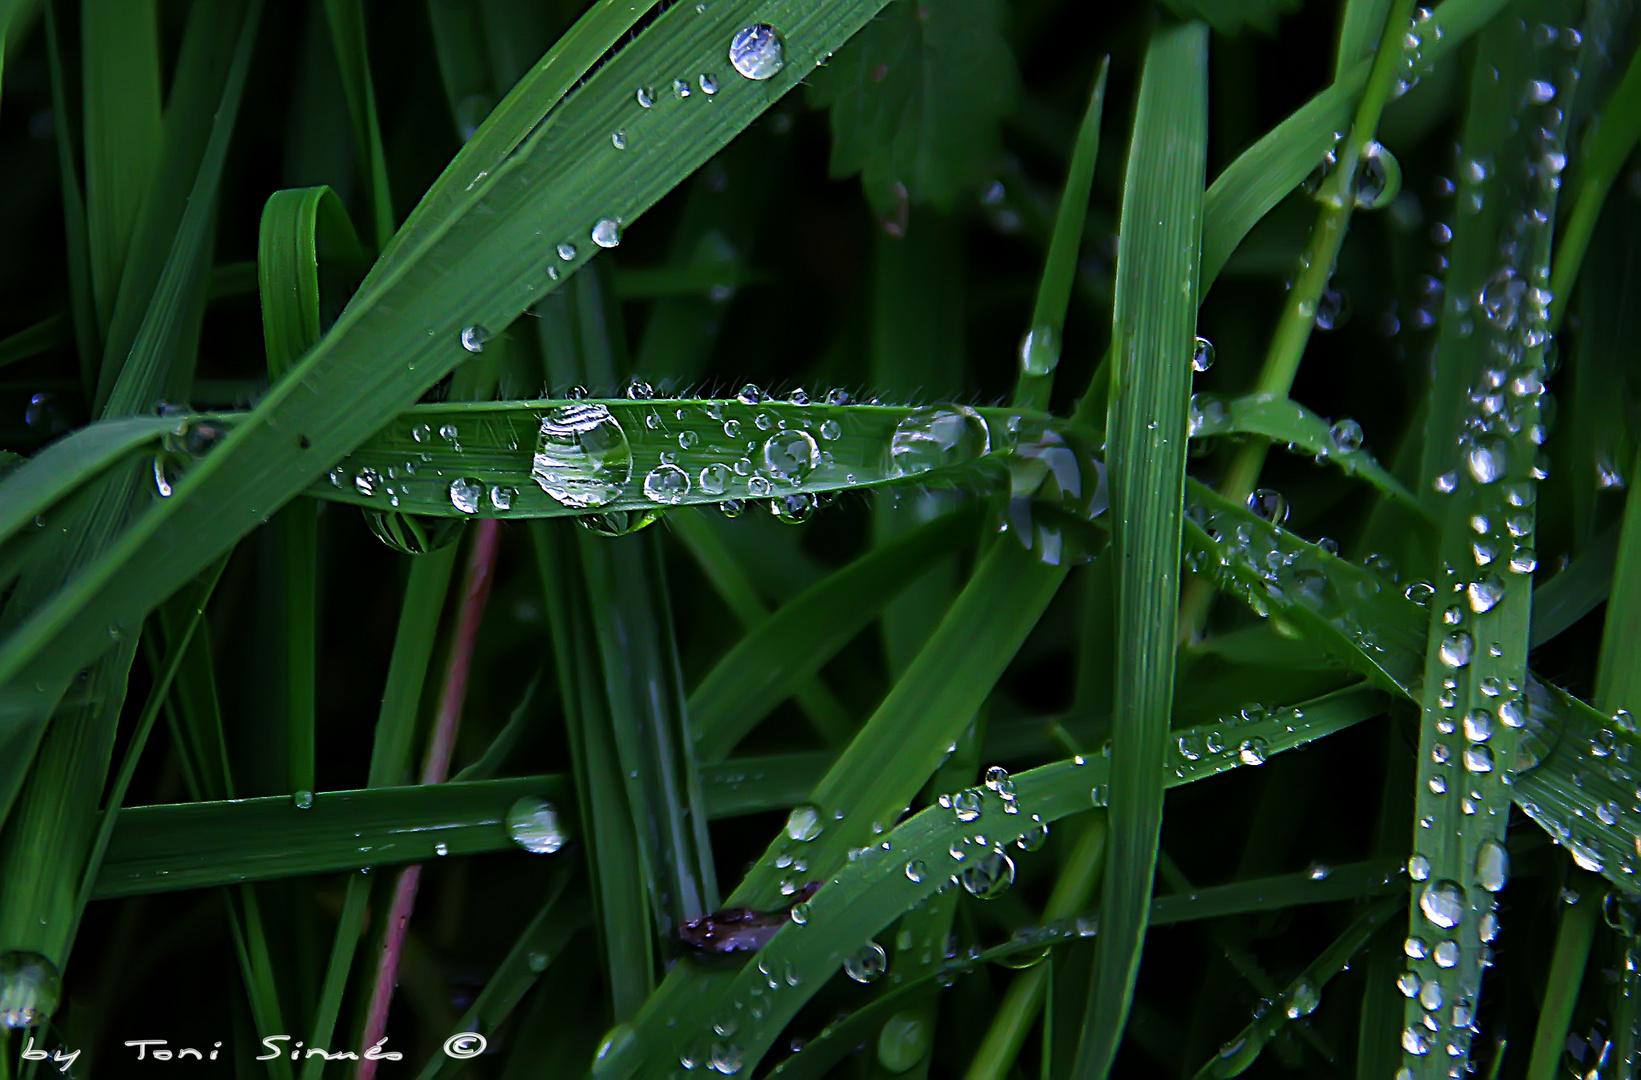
x=1443 y=903
x=1033 y=838
x=303 y=800
x=1346 y=436
x=533 y=825
x=1303 y=998
x=714 y=479
x=1446 y=954
x=1040 y=350
x=866 y=963
x=1418 y=868
x=582 y=456
x=1430 y=995
x=474 y=338
x=1408 y=983
x=725 y=1059
x=1202 y=357
x=708 y=83
x=1478 y=759
x=1252 y=751
x=1492 y=865
x=790 y=455
x=1378 y=177
x=804 y=822
x=618 y=139
x=1478 y=725
x=990 y=877
x=1332 y=309
x=1099 y=795
x=800 y=914
x=1456 y=649
x=936 y=437
x=502 y=497
x=967 y=805
x=466 y=494
x=566 y=251
x=756 y=52
x=441 y=849
x=793 y=509
x=30 y=988
x=1269 y=504
x=1415 y=1042
x=666 y=484
x=1487 y=460
x=1485 y=593
x=1524 y=560
x=916 y=871
x=902 y=1042
x=645 y=97
x=998 y=779
x=607 y=233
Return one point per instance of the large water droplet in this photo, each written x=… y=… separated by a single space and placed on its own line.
x=902 y=1042
x=756 y=52
x=607 y=233
x=1202 y=357
x=935 y=437
x=1456 y=649
x=725 y=1059
x=1346 y=436
x=967 y=804
x=1492 y=865
x=474 y=338
x=619 y=522
x=790 y=455
x=1443 y=903
x=302 y=800
x=466 y=494
x=582 y=456
x=533 y=825
x=1270 y=505
x=1303 y=998
x=1487 y=460
x=1040 y=350
x=30 y=988
x=804 y=822
x=1378 y=177
x=666 y=484
x=990 y=877
x=866 y=963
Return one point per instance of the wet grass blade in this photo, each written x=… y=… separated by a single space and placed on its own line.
x=1281 y=420
x=346 y=19
x=862 y=897
x=1155 y=327
x=1572 y=951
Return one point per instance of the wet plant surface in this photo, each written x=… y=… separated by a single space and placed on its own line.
x=928 y=538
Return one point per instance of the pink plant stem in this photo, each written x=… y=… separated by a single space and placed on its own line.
x=481 y=565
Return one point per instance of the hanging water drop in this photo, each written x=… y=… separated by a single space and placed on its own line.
x=533 y=825
x=30 y=988
x=1332 y=309
x=1378 y=177
x=474 y=338
x=1270 y=505
x=990 y=877
x=1346 y=436
x=1040 y=350
x=1202 y=357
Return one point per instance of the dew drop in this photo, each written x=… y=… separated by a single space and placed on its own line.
x=30 y=988
x=1040 y=350
x=1202 y=357
x=1443 y=903
x=1303 y=998
x=1270 y=505
x=1492 y=865
x=533 y=825
x=708 y=83
x=866 y=963
x=582 y=456
x=666 y=484
x=466 y=494
x=990 y=877
x=804 y=822
x=303 y=800
x=756 y=52
x=1346 y=436
x=1487 y=460
x=1378 y=178
x=566 y=251
x=936 y=437
x=474 y=338
x=607 y=233
x=916 y=871
x=790 y=455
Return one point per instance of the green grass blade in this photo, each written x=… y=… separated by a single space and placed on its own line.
x=153 y=333
x=1302 y=995
x=1155 y=325
x=1572 y=951
x=773 y=659
x=347 y=27
x=1281 y=420
x=71 y=463
x=1040 y=351
x=123 y=129
x=865 y=895
x=191 y=845
x=829 y=715
x=1458 y=863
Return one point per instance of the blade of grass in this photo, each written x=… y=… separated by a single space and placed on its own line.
x=861 y=897
x=1154 y=323
x=82 y=297
x=1572 y=950
x=347 y=29
x=1040 y=351
x=829 y=716
x=123 y=129
x=771 y=661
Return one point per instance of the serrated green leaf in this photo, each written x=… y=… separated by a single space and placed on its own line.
x=917 y=99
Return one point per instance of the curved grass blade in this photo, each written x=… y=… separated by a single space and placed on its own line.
x=72 y=462
x=1282 y=420
x=768 y=663
x=868 y=893
x=1154 y=325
